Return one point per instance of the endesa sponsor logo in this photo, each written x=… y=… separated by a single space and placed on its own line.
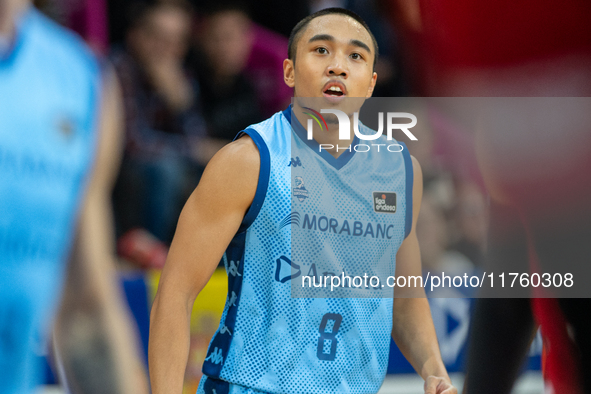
x=346 y=227
x=384 y=202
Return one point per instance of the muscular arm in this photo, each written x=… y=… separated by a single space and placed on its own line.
x=93 y=333
x=412 y=327
x=208 y=222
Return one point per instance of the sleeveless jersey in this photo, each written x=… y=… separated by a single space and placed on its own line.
x=272 y=342
x=49 y=84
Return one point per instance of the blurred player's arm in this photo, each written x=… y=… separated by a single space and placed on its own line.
x=501 y=329
x=412 y=327
x=210 y=219
x=95 y=340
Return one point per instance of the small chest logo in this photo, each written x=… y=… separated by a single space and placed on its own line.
x=300 y=191
x=295 y=162
x=384 y=202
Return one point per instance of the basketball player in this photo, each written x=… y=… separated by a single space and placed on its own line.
x=58 y=138
x=269 y=342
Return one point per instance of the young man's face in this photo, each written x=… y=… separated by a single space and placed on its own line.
x=334 y=59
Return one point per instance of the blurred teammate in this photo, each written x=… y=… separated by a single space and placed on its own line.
x=58 y=140
x=267 y=340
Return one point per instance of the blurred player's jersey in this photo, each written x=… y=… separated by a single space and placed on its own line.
x=49 y=84
x=269 y=341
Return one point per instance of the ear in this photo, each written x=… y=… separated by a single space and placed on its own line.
x=372 y=85
x=289 y=73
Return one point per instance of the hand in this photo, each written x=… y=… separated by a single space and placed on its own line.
x=439 y=385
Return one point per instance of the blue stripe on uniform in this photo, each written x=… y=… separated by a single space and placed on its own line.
x=263 y=182
x=214 y=386
x=234 y=258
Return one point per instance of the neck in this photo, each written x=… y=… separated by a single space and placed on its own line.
x=322 y=135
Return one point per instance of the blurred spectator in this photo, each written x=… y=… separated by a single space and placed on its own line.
x=265 y=70
x=229 y=99
x=163 y=124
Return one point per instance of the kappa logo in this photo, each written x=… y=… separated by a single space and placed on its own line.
x=215 y=356
x=225 y=329
x=384 y=202
x=295 y=162
x=233 y=299
x=232 y=267
x=288 y=273
x=300 y=191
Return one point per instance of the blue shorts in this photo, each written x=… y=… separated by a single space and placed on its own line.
x=209 y=385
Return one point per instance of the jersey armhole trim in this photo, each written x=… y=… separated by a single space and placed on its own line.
x=263 y=181
x=408 y=192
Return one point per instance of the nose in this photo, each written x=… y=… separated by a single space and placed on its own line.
x=336 y=69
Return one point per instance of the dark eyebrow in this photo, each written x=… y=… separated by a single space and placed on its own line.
x=321 y=37
x=360 y=44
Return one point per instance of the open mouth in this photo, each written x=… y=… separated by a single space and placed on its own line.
x=335 y=91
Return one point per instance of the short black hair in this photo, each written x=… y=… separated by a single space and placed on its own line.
x=298 y=30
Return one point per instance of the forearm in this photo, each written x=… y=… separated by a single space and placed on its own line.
x=94 y=332
x=168 y=350
x=414 y=333
x=95 y=351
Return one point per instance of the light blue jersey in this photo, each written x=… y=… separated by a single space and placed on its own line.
x=49 y=91
x=309 y=209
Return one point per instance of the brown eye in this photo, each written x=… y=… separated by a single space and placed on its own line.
x=356 y=56
x=321 y=51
